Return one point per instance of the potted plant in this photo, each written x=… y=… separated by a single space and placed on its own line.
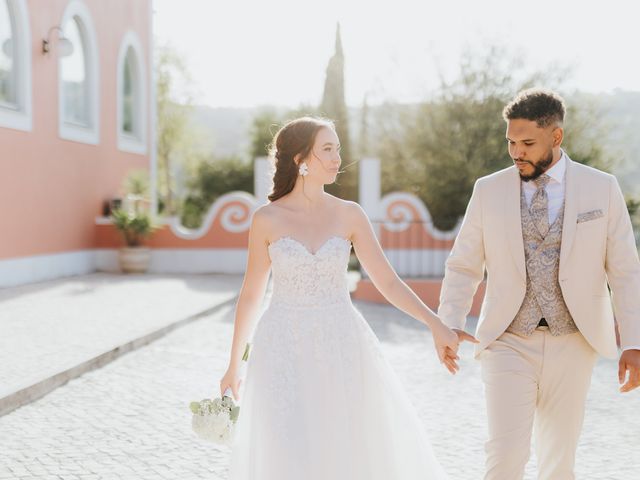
x=135 y=223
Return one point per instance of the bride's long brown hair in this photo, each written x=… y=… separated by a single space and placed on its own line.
x=295 y=138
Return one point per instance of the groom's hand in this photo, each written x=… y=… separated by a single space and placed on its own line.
x=451 y=356
x=464 y=336
x=629 y=362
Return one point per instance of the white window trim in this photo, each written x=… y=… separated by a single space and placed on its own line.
x=126 y=142
x=90 y=135
x=20 y=119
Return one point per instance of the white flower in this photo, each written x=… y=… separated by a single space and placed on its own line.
x=214 y=420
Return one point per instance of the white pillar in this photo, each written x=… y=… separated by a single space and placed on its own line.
x=262 y=179
x=369 y=194
x=369 y=186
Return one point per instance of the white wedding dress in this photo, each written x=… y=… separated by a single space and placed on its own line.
x=320 y=401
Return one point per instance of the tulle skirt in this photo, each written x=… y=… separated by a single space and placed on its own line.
x=320 y=402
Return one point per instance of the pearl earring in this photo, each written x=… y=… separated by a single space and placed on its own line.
x=304 y=170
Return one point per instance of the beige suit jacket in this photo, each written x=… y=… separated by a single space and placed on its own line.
x=598 y=248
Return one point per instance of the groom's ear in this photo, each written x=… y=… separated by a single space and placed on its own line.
x=558 y=136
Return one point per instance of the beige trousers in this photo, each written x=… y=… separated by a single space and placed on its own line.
x=537 y=383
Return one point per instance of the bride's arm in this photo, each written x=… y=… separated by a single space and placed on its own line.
x=382 y=274
x=387 y=281
x=250 y=299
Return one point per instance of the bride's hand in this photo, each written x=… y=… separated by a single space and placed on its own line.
x=452 y=355
x=446 y=342
x=232 y=380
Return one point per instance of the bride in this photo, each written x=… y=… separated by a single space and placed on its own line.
x=319 y=400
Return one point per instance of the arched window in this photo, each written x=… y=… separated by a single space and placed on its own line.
x=78 y=82
x=75 y=88
x=132 y=115
x=15 y=65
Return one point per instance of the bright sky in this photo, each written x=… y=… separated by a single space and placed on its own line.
x=246 y=53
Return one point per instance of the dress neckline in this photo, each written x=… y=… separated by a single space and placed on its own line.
x=313 y=254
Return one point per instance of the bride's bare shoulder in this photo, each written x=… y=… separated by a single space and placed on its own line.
x=348 y=208
x=262 y=217
x=266 y=218
x=271 y=211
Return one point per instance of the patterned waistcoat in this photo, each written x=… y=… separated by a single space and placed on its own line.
x=543 y=298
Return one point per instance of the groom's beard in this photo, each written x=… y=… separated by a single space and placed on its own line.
x=538 y=168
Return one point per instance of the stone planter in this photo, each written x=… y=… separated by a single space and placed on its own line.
x=135 y=259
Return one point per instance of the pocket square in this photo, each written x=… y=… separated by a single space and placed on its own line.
x=592 y=215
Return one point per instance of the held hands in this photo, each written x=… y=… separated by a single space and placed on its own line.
x=447 y=342
x=629 y=361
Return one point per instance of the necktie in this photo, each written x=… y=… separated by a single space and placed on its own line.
x=539 y=208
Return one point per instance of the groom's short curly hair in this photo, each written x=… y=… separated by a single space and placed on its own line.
x=545 y=107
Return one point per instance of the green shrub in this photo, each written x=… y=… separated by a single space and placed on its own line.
x=210 y=180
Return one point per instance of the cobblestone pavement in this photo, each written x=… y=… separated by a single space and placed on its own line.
x=130 y=419
x=51 y=326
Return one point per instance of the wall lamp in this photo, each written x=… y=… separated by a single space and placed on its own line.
x=65 y=47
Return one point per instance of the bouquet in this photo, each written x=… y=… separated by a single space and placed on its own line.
x=213 y=420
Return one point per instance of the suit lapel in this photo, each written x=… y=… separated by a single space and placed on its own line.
x=513 y=222
x=570 y=212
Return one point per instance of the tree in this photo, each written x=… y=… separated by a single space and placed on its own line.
x=633 y=206
x=211 y=179
x=364 y=148
x=263 y=127
x=177 y=140
x=334 y=107
x=438 y=149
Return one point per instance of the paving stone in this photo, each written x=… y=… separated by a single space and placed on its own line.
x=130 y=418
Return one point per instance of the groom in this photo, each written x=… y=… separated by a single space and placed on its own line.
x=552 y=234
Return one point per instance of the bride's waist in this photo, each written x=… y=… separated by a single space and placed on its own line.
x=337 y=301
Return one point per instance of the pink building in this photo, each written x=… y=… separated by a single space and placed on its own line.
x=76 y=103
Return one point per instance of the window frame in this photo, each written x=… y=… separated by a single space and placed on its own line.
x=138 y=142
x=21 y=117
x=76 y=9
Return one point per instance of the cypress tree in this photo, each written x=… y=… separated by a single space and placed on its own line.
x=334 y=107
